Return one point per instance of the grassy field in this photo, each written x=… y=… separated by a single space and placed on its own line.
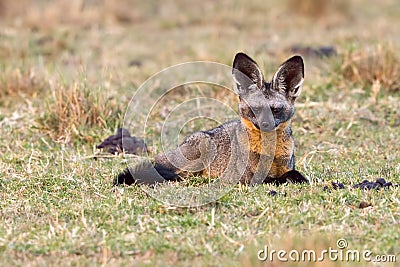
x=68 y=70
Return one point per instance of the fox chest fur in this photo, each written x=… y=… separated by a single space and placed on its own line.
x=277 y=146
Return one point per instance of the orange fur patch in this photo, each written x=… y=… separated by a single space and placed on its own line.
x=262 y=143
x=255 y=138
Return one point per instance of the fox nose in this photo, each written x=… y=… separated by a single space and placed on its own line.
x=264 y=124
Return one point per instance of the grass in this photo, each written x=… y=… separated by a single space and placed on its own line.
x=74 y=106
x=68 y=71
x=374 y=68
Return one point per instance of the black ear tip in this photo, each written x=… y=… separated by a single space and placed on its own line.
x=238 y=57
x=241 y=57
x=297 y=59
x=240 y=54
x=296 y=62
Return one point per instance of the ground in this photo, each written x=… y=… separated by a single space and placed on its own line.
x=69 y=68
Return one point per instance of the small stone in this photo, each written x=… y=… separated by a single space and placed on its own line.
x=272 y=193
x=337 y=185
x=364 y=205
x=135 y=63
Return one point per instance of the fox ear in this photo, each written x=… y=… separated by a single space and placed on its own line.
x=289 y=77
x=246 y=73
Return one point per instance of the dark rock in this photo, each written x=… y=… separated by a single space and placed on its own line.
x=272 y=193
x=337 y=185
x=379 y=183
x=123 y=141
x=364 y=205
x=135 y=63
x=317 y=51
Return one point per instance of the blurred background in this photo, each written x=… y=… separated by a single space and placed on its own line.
x=160 y=33
x=116 y=45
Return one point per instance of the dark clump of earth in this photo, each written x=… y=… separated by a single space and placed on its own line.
x=272 y=193
x=335 y=185
x=315 y=52
x=364 y=205
x=378 y=184
x=364 y=185
x=123 y=141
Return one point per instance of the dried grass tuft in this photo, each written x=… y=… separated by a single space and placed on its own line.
x=380 y=66
x=72 y=109
x=21 y=82
x=317 y=8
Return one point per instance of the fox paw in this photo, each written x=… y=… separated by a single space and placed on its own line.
x=291 y=176
x=294 y=177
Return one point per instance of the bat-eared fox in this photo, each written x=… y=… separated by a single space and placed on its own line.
x=256 y=148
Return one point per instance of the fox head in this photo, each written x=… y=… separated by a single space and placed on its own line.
x=267 y=104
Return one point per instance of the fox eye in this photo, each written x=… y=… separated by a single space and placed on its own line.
x=276 y=109
x=256 y=109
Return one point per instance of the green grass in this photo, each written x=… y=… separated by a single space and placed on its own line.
x=66 y=79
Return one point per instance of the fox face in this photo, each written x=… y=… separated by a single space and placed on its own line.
x=267 y=104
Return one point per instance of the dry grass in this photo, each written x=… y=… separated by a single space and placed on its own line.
x=46 y=14
x=377 y=66
x=21 y=82
x=75 y=109
x=318 y=9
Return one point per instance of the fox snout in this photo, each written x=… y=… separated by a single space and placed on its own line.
x=265 y=120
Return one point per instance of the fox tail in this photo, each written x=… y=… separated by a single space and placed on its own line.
x=146 y=172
